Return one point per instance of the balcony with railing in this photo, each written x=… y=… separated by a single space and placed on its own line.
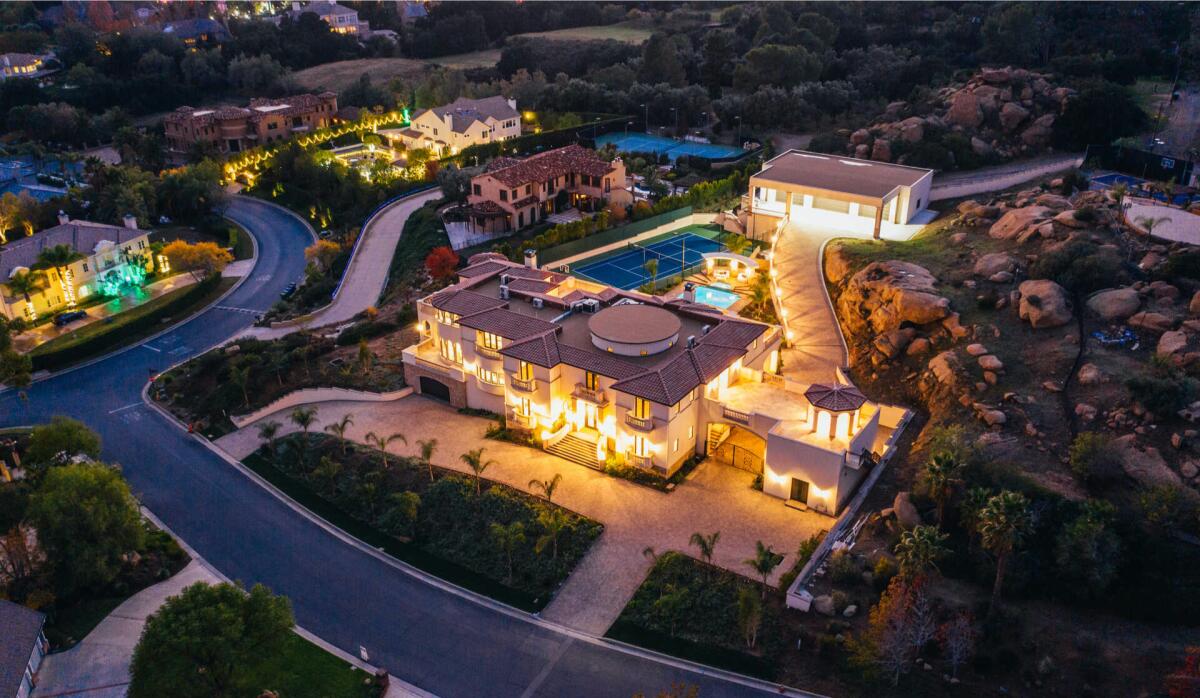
x=518 y=420
x=426 y=355
x=596 y=397
x=645 y=462
x=521 y=384
x=487 y=352
x=639 y=423
x=737 y=416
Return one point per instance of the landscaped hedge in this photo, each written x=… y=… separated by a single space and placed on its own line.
x=120 y=330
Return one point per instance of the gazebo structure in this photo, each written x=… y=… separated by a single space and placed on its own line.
x=835 y=409
x=729 y=266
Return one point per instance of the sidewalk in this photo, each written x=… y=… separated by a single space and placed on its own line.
x=365 y=277
x=715 y=498
x=98 y=667
x=27 y=341
x=957 y=184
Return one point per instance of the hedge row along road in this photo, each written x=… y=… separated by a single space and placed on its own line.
x=422 y=632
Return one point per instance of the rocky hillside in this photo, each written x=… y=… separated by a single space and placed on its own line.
x=999 y=114
x=1029 y=319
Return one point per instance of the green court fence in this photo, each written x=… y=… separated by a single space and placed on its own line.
x=607 y=237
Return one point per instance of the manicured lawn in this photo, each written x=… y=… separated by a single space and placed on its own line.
x=451 y=535
x=100 y=337
x=465 y=61
x=342 y=74
x=627 y=32
x=303 y=670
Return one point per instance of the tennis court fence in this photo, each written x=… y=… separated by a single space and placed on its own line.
x=607 y=237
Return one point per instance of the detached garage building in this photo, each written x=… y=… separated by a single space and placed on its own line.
x=836 y=191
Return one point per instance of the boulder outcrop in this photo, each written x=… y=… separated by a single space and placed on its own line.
x=883 y=296
x=1044 y=303
x=1114 y=304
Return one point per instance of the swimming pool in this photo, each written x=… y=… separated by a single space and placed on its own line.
x=716 y=297
x=646 y=143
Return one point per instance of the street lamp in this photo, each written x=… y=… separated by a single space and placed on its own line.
x=645 y=117
x=738 y=118
x=674 y=120
x=627 y=125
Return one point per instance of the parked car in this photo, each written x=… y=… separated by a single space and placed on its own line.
x=67 y=318
x=288 y=291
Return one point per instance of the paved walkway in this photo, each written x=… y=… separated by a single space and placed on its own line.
x=987 y=179
x=816 y=349
x=98 y=667
x=715 y=498
x=367 y=273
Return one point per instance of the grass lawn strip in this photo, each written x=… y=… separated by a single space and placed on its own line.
x=303 y=670
x=452 y=535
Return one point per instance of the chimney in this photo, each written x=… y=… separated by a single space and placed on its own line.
x=531 y=258
x=295 y=6
x=689 y=292
x=130 y=221
x=63 y=218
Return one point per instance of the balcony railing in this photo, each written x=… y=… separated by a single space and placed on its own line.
x=525 y=386
x=633 y=459
x=487 y=351
x=646 y=424
x=521 y=421
x=596 y=397
x=736 y=416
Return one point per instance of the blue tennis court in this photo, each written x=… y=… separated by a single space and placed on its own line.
x=646 y=143
x=627 y=270
x=1136 y=185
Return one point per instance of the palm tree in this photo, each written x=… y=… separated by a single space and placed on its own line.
x=382 y=443
x=941 y=474
x=764 y=563
x=552 y=520
x=269 y=431
x=428 y=446
x=474 y=460
x=1149 y=223
x=1003 y=524
x=304 y=417
x=327 y=471
x=339 y=429
x=547 y=487
x=651 y=267
x=508 y=538
x=240 y=377
x=277 y=362
x=365 y=357
x=26 y=283
x=58 y=257
x=706 y=544
x=919 y=550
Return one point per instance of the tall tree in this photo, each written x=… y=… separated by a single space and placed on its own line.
x=60 y=441
x=475 y=461
x=1003 y=524
x=941 y=474
x=546 y=487
x=552 y=520
x=764 y=562
x=382 y=442
x=660 y=62
x=707 y=544
x=919 y=549
x=268 y=431
x=339 y=429
x=427 y=448
x=508 y=537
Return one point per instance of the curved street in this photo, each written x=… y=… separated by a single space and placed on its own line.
x=422 y=631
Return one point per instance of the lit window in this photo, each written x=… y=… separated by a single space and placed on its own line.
x=676 y=449
x=524 y=407
x=450 y=351
x=641 y=447
x=489 y=377
x=591 y=381
x=488 y=340
x=525 y=371
x=691 y=432
x=641 y=408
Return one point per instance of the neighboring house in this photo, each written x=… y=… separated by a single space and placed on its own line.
x=601 y=375
x=197 y=32
x=22 y=65
x=448 y=129
x=512 y=193
x=234 y=129
x=110 y=256
x=835 y=191
x=22 y=646
x=340 y=19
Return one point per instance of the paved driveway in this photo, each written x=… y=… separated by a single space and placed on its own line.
x=716 y=498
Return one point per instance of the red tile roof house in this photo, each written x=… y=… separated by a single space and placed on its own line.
x=602 y=375
x=234 y=129
x=512 y=194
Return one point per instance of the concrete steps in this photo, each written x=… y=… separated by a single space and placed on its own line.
x=576 y=450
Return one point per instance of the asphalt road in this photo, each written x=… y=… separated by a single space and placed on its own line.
x=422 y=633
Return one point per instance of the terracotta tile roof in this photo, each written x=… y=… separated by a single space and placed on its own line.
x=733 y=333
x=463 y=303
x=604 y=364
x=552 y=163
x=488 y=208
x=530 y=286
x=710 y=360
x=527 y=201
x=500 y=163
x=485 y=268
x=667 y=385
x=507 y=324
x=293 y=106
x=541 y=350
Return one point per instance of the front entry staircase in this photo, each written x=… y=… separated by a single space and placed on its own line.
x=576 y=450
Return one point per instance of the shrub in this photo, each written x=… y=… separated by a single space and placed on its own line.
x=883 y=571
x=843 y=568
x=1091 y=456
x=1163 y=393
x=1078 y=266
x=840 y=600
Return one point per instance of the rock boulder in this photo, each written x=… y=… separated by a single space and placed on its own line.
x=1114 y=304
x=1044 y=304
x=1016 y=221
x=885 y=295
x=994 y=263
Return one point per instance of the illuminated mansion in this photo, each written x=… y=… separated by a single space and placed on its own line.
x=603 y=377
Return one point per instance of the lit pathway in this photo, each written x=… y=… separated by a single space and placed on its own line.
x=716 y=498
x=367 y=273
x=817 y=349
x=988 y=179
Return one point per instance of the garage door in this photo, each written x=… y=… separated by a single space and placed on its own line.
x=435 y=388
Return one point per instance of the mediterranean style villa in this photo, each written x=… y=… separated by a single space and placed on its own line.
x=837 y=191
x=603 y=377
x=447 y=129
x=514 y=193
x=234 y=129
x=107 y=254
